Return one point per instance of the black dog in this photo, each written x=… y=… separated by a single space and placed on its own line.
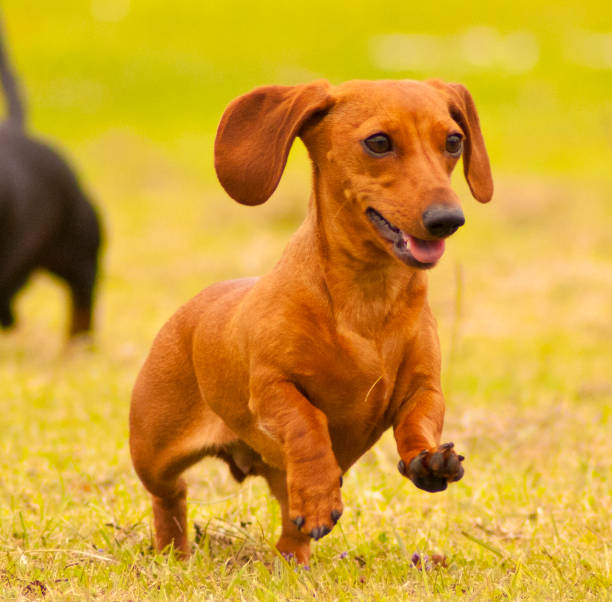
x=46 y=220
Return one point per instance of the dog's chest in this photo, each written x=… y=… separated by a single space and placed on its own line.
x=355 y=382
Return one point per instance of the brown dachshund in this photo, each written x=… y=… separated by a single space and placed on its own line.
x=294 y=375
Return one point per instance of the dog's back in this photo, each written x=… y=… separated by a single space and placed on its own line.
x=39 y=209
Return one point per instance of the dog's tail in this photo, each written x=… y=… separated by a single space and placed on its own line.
x=14 y=101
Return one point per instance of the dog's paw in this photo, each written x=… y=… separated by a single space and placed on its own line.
x=315 y=508
x=433 y=469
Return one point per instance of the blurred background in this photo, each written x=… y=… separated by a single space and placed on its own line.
x=539 y=71
x=132 y=91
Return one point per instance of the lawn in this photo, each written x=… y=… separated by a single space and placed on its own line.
x=132 y=91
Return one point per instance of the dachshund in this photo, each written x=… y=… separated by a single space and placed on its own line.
x=295 y=375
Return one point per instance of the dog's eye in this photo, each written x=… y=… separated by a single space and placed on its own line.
x=454 y=144
x=379 y=144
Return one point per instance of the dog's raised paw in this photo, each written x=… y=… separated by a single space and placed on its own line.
x=433 y=469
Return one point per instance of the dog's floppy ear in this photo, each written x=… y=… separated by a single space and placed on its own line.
x=475 y=158
x=256 y=133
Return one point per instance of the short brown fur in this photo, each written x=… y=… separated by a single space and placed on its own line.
x=294 y=375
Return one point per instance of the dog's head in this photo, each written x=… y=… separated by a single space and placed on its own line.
x=382 y=150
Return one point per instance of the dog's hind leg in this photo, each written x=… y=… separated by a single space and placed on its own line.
x=80 y=275
x=82 y=292
x=163 y=446
x=18 y=259
x=7 y=319
x=10 y=283
x=171 y=428
x=75 y=260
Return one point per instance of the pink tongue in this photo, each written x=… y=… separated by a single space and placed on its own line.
x=426 y=251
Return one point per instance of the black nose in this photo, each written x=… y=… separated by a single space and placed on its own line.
x=442 y=220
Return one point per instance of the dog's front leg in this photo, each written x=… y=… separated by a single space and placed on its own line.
x=418 y=427
x=300 y=434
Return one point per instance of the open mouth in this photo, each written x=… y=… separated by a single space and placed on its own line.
x=409 y=249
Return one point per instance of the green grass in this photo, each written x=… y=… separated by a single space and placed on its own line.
x=522 y=296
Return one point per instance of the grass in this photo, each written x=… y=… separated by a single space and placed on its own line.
x=523 y=297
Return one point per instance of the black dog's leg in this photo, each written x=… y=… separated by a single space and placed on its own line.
x=7 y=319
x=82 y=290
x=80 y=274
x=75 y=260
x=14 y=273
